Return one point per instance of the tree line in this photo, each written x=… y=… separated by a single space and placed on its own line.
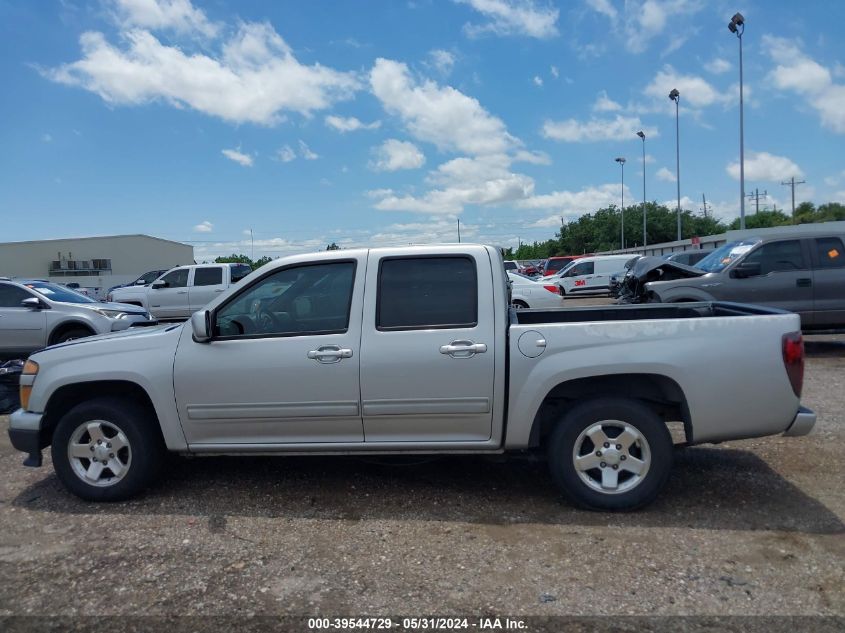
x=601 y=230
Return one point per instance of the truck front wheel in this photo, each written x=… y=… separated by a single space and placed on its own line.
x=610 y=454
x=107 y=449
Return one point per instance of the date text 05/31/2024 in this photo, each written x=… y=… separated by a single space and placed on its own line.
x=430 y=623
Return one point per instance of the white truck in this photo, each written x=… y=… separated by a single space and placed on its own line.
x=181 y=290
x=413 y=350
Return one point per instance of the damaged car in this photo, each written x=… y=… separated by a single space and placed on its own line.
x=646 y=270
x=803 y=274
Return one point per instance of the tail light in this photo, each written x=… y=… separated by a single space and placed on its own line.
x=793 y=360
x=553 y=289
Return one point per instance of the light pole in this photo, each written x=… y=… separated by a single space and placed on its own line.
x=737 y=26
x=621 y=162
x=676 y=97
x=641 y=134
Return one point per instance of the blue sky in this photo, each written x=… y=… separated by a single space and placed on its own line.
x=384 y=122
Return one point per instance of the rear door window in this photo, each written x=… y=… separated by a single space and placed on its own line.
x=427 y=292
x=830 y=252
x=212 y=276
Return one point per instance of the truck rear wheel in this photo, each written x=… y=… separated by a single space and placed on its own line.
x=107 y=449
x=610 y=454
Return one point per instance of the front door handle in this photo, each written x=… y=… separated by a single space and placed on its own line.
x=804 y=282
x=329 y=354
x=463 y=349
x=182 y=292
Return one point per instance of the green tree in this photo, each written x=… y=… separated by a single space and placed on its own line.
x=332 y=247
x=258 y=263
x=233 y=259
x=764 y=220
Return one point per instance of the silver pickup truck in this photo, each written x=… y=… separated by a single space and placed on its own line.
x=413 y=350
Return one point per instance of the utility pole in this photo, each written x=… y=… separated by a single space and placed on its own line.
x=792 y=182
x=704 y=205
x=252 y=240
x=756 y=197
x=459 y=230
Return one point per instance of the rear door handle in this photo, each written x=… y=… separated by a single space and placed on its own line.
x=804 y=282
x=181 y=292
x=463 y=349
x=329 y=354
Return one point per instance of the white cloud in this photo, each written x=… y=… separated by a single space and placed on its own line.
x=544 y=223
x=798 y=72
x=350 y=124
x=393 y=155
x=306 y=152
x=647 y=20
x=604 y=7
x=238 y=156
x=605 y=104
x=438 y=114
x=839 y=196
x=666 y=175
x=46 y=138
x=717 y=66
x=534 y=158
x=832 y=181
x=177 y=15
x=254 y=78
x=513 y=17
x=649 y=159
x=204 y=227
x=285 y=154
x=695 y=91
x=484 y=180
x=765 y=166
x=538 y=81
x=554 y=71
x=442 y=61
x=620 y=128
x=576 y=203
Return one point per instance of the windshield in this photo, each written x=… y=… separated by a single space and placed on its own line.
x=59 y=293
x=149 y=277
x=724 y=255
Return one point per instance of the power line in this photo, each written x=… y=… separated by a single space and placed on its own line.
x=756 y=197
x=792 y=182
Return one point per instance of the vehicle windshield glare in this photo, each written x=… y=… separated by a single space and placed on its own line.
x=724 y=255
x=59 y=293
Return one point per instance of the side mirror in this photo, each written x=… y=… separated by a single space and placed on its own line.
x=746 y=269
x=140 y=282
x=33 y=303
x=158 y=283
x=201 y=325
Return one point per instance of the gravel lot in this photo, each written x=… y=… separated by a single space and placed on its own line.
x=746 y=528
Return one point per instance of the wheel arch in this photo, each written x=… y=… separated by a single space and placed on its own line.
x=68 y=396
x=66 y=326
x=660 y=393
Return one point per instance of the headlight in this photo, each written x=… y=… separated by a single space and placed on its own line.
x=112 y=314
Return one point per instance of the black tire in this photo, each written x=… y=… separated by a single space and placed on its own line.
x=519 y=305
x=74 y=333
x=657 y=446
x=144 y=455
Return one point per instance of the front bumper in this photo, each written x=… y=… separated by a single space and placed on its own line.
x=802 y=424
x=25 y=435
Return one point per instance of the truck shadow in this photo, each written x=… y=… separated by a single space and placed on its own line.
x=815 y=348
x=710 y=488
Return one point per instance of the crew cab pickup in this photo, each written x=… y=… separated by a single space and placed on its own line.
x=181 y=290
x=413 y=350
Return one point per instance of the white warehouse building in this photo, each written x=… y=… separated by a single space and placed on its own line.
x=95 y=263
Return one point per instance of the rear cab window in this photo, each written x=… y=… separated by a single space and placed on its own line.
x=427 y=292
x=830 y=251
x=210 y=276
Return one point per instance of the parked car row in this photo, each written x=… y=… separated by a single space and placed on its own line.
x=803 y=274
